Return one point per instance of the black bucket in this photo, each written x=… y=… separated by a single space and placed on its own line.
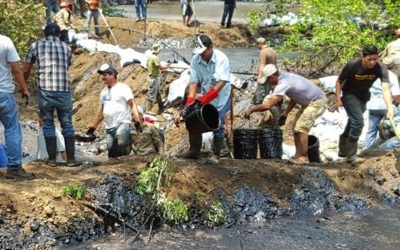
x=270 y=141
x=245 y=143
x=204 y=118
x=313 y=149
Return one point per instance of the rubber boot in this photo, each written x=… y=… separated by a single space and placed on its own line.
x=342 y=146
x=160 y=104
x=352 y=152
x=195 y=141
x=213 y=159
x=51 y=146
x=70 y=150
x=18 y=173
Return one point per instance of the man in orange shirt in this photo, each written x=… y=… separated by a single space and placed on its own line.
x=94 y=10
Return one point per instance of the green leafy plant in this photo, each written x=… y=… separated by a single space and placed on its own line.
x=75 y=191
x=217 y=213
x=172 y=210
x=22 y=22
x=149 y=177
x=333 y=32
x=199 y=194
x=254 y=19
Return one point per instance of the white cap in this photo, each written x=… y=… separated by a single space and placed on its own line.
x=203 y=42
x=268 y=70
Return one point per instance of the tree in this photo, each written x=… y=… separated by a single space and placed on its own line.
x=21 y=20
x=332 y=32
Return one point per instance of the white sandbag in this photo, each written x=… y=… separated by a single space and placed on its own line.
x=329 y=82
x=130 y=56
x=177 y=87
x=207 y=141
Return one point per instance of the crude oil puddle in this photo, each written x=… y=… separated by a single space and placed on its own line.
x=371 y=229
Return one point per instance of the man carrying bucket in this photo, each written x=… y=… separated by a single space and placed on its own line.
x=210 y=74
x=300 y=91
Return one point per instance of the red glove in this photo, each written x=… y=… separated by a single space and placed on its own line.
x=148 y=119
x=209 y=96
x=189 y=101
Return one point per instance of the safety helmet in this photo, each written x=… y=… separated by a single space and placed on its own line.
x=64 y=5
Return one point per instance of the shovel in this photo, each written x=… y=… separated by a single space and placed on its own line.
x=395 y=129
x=108 y=26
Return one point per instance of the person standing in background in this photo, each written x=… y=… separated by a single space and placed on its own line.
x=229 y=7
x=140 y=5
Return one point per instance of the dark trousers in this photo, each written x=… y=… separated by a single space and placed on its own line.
x=354 y=108
x=228 y=11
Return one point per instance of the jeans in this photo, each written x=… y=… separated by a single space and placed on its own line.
x=95 y=14
x=141 y=4
x=9 y=117
x=61 y=102
x=49 y=9
x=354 y=109
x=118 y=140
x=375 y=117
x=228 y=11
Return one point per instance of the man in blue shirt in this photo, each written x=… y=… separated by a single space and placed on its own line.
x=210 y=74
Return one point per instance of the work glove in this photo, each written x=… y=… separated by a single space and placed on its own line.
x=209 y=96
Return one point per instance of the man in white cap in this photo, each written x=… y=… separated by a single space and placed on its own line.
x=300 y=91
x=267 y=56
x=117 y=109
x=209 y=74
x=154 y=79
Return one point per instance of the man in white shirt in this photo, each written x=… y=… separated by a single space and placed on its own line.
x=117 y=109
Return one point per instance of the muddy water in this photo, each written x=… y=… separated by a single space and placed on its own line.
x=205 y=11
x=372 y=229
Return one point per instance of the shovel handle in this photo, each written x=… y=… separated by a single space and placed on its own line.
x=395 y=129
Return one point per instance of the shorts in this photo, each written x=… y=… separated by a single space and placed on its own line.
x=186 y=10
x=306 y=117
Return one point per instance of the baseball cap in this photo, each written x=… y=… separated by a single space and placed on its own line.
x=107 y=68
x=156 y=48
x=260 y=40
x=268 y=70
x=203 y=42
x=52 y=29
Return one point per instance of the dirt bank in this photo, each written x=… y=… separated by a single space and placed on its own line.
x=36 y=214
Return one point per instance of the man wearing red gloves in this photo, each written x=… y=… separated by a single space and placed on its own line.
x=210 y=76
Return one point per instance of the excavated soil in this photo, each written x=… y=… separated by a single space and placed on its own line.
x=35 y=214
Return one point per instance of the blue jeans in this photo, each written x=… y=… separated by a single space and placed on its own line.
x=61 y=102
x=118 y=140
x=141 y=4
x=355 y=122
x=9 y=117
x=228 y=11
x=220 y=133
x=375 y=117
x=95 y=14
x=49 y=9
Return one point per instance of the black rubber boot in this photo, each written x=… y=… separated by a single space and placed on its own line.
x=213 y=159
x=160 y=104
x=195 y=141
x=70 y=150
x=352 y=152
x=51 y=146
x=342 y=146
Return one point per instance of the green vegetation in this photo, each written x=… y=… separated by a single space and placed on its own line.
x=254 y=19
x=112 y=11
x=21 y=21
x=199 y=194
x=330 y=35
x=172 y=210
x=149 y=178
x=217 y=213
x=75 y=191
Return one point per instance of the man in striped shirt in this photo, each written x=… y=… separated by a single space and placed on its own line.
x=53 y=58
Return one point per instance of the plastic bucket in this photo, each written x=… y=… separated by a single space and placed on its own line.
x=204 y=118
x=270 y=141
x=245 y=143
x=3 y=157
x=313 y=149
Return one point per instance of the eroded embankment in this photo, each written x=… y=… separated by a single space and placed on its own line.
x=36 y=214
